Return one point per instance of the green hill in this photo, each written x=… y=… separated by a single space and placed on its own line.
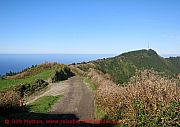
x=49 y=72
x=123 y=66
x=175 y=61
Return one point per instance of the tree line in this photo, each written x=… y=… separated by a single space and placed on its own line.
x=11 y=73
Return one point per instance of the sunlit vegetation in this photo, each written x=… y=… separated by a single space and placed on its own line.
x=43 y=104
x=148 y=99
x=89 y=83
x=122 y=67
x=14 y=88
x=139 y=88
x=175 y=61
x=7 y=84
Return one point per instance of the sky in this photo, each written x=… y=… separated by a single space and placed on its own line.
x=89 y=26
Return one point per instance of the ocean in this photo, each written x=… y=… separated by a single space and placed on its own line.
x=18 y=62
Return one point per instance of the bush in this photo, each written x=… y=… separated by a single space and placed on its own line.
x=10 y=101
x=149 y=99
x=85 y=66
x=77 y=70
x=61 y=74
x=27 y=89
x=99 y=78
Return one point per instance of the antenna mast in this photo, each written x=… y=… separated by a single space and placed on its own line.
x=148 y=44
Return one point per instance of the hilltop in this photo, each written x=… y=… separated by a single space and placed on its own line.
x=123 y=66
x=139 y=88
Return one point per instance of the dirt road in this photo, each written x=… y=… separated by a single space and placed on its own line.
x=78 y=99
x=53 y=89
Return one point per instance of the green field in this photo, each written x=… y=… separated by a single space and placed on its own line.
x=43 y=104
x=6 y=84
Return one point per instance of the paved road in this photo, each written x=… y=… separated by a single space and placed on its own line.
x=78 y=100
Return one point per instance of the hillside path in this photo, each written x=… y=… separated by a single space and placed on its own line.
x=78 y=100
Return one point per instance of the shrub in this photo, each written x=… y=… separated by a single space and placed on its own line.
x=61 y=74
x=9 y=101
x=27 y=89
x=99 y=78
x=149 y=99
x=85 y=66
x=77 y=70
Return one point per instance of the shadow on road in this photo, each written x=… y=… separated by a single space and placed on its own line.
x=31 y=119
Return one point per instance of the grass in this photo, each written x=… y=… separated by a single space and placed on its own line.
x=89 y=83
x=37 y=93
x=43 y=104
x=7 y=84
x=99 y=113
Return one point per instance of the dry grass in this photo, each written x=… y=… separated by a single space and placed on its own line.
x=77 y=71
x=85 y=67
x=9 y=101
x=100 y=78
x=146 y=100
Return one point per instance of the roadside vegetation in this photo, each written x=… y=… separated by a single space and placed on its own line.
x=99 y=113
x=139 y=88
x=14 y=88
x=43 y=104
x=89 y=83
x=148 y=99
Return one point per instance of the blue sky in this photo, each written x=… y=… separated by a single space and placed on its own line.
x=89 y=26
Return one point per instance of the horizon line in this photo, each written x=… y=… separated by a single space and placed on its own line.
x=163 y=54
x=58 y=53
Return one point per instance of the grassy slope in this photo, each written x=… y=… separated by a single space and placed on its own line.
x=43 y=104
x=5 y=84
x=42 y=71
x=175 y=61
x=122 y=67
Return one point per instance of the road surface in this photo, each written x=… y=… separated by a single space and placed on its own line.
x=78 y=99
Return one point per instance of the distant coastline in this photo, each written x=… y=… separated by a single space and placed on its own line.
x=18 y=62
